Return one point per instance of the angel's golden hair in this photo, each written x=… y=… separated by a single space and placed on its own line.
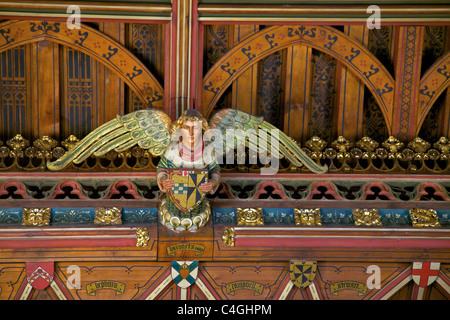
x=190 y=115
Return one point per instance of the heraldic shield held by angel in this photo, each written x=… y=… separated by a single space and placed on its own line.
x=190 y=151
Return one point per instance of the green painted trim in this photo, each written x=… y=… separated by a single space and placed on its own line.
x=124 y=2
x=319 y=16
x=325 y=2
x=89 y=12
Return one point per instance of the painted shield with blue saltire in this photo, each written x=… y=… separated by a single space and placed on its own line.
x=185 y=194
x=184 y=273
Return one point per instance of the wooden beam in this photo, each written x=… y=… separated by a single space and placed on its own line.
x=245 y=88
x=350 y=102
x=297 y=91
x=109 y=105
x=408 y=59
x=181 y=56
x=45 y=89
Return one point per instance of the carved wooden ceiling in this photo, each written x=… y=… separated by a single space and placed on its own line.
x=370 y=103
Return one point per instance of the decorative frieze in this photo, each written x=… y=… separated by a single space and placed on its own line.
x=351 y=188
x=342 y=156
x=325 y=217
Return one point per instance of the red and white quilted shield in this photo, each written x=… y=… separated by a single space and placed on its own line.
x=40 y=274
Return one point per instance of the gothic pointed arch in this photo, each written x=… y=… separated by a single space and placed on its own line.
x=435 y=80
x=326 y=39
x=93 y=43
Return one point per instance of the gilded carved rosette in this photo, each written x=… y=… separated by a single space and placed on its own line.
x=308 y=217
x=367 y=217
x=142 y=237
x=228 y=237
x=250 y=216
x=424 y=218
x=108 y=216
x=36 y=216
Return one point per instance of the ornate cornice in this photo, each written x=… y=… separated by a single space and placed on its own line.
x=365 y=156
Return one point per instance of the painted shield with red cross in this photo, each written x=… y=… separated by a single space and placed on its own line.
x=40 y=274
x=425 y=273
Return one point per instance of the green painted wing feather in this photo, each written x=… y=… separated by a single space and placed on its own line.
x=236 y=119
x=149 y=129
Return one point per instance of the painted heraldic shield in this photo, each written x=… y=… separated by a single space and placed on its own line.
x=425 y=273
x=184 y=273
x=185 y=194
x=302 y=273
x=40 y=274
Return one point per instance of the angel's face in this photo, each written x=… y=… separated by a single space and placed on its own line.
x=193 y=133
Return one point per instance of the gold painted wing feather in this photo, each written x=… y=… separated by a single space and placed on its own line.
x=235 y=119
x=149 y=129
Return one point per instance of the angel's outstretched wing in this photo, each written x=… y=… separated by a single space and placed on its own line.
x=149 y=129
x=235 y=119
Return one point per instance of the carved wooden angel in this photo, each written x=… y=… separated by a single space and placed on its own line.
x=191 y=150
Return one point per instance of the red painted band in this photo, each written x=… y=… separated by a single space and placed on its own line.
x=304 y=242
x=67 y=243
